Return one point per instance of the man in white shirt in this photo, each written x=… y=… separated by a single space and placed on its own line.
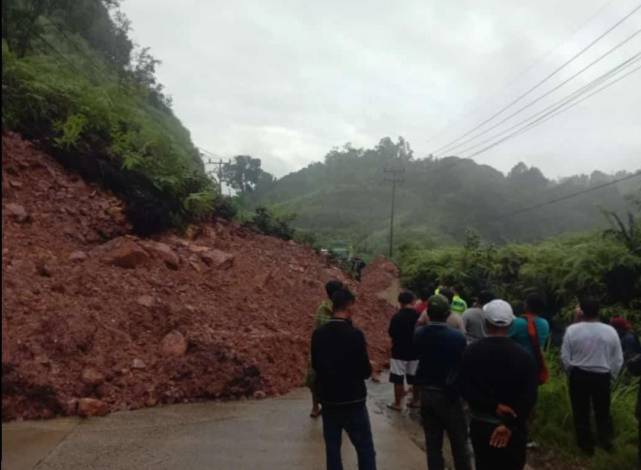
x=592 y=355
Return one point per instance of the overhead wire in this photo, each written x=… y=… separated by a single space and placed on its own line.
x=547 y=116
x=539 y=121
x=550 y=91
x=636 y=69
x=539 y=83
x=524 y=71
x=563 y=101
x=568 y=196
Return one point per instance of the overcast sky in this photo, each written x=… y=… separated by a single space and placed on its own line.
x=288 y=80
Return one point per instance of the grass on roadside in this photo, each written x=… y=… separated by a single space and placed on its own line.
x=553 y=427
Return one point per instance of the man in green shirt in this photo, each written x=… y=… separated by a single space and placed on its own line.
x=323 y=314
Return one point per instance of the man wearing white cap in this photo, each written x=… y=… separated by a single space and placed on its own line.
x=498 y=378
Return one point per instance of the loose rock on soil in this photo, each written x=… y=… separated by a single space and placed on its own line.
x=97 y=320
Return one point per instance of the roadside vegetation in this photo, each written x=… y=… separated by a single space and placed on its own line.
x=553 y=428
x=604 y=263
x=73 y=81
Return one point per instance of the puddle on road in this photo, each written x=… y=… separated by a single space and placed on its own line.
x=407 y=421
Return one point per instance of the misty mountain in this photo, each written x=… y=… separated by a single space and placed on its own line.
x=348 y=196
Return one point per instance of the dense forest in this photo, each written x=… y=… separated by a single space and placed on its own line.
x=73 y=81
x=437 y=200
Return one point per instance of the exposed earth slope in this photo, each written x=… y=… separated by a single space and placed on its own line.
x=96 y=320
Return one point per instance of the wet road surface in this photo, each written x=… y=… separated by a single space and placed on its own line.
x=274 y=433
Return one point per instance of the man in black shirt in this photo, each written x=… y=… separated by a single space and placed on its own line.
x=404 y=361
x=498 y=378
x=440 y=350
x=341 y=362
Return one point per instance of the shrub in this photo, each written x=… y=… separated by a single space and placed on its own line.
x=224 y=207
x=106 y=123
x=561 y=269
x=307 y=238
x=553 y=426
x=265 y=222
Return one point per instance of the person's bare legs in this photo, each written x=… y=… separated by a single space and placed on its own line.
x=316 y=410
x=399 y=393
x=415 y=402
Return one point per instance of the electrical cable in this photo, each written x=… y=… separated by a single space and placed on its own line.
x=545 y=118
x=552 y=90
x=524 y=71
x=567 y=196
x=541 y=82
x=562 y=102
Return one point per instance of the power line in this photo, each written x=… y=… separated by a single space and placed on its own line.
x=552 y=90
x=636 y=69
x=208 y=153
x=524 y=71
x=215 y=160
x=547 y=117
x=541 y=82
x=562 y=102
x=539 y=121
x=568 y=196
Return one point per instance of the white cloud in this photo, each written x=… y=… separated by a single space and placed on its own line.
x=287 y=80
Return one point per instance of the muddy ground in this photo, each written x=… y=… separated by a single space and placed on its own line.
x=95 y=319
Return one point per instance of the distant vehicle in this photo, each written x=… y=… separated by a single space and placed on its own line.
x=340 y=249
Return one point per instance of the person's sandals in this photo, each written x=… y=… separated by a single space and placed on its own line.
x=394 y=406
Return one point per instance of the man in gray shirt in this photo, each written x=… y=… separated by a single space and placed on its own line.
x=473 y=318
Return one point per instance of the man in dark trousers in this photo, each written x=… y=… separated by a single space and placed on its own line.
x=498 y=379
x=440 y=350
x=592 y=356
x=323 y=315
x=634 y=366
x=404 y=362
x=341 y=362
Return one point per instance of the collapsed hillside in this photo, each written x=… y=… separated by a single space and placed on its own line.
x=95 y=319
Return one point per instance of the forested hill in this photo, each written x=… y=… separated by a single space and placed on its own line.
x=347 y=197
x=74 y=83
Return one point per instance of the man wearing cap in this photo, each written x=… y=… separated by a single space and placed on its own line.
x=440 y=350
x=498 y=379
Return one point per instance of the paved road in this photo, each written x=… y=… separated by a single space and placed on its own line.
x=257 y=434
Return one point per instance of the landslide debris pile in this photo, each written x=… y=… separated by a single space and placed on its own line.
x=97 y=320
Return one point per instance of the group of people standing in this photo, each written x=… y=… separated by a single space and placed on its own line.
x=473 y=372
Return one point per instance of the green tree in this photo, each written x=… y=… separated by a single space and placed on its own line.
x=244 y=174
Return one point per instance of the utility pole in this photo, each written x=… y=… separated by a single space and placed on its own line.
x=220 y=162
x=396 y=171
x=217 y=175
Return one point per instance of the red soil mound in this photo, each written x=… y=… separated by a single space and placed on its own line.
x=96 y=320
